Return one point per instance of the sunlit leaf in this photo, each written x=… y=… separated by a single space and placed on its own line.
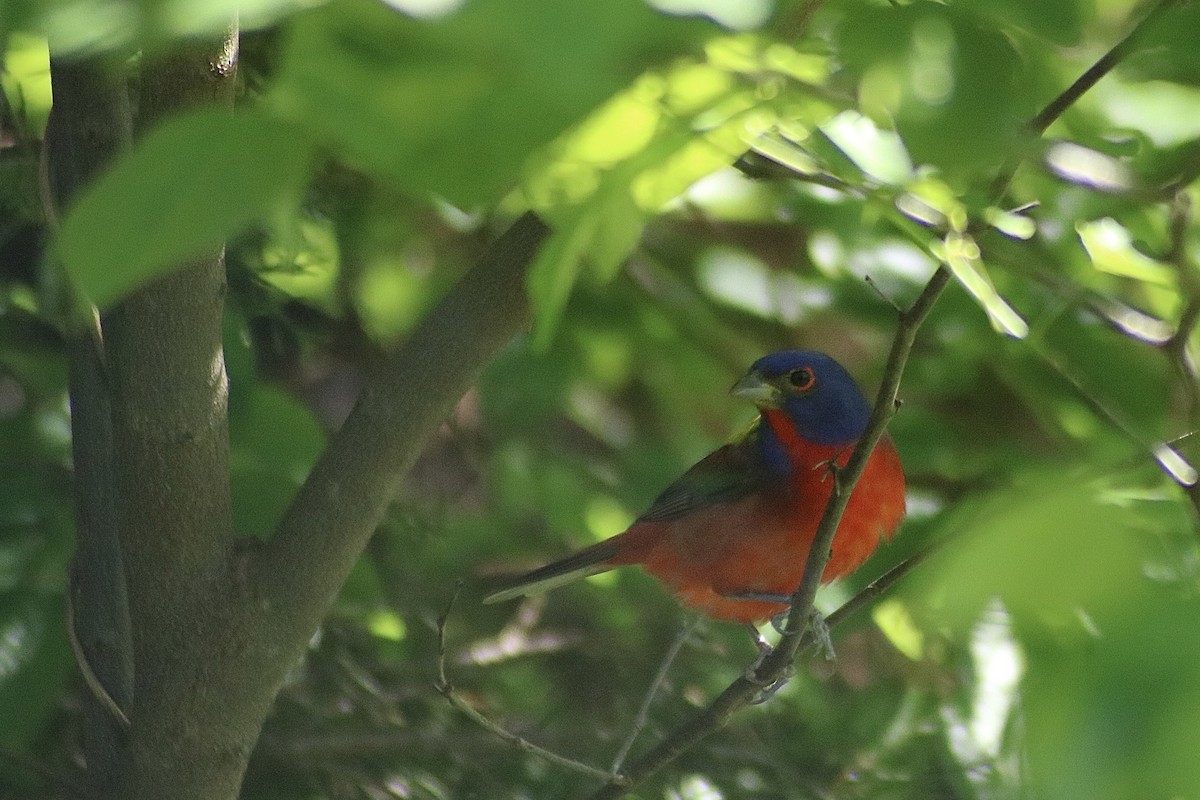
x=454 y=105
x=1049 y=650
x=876 y=152
x=1048 y=547
x=187 y=186
x=833 y=156
x=608 y=225
x=1175 y=464
x=897 y=624
x=1111 y=249
x=961 y=254
x=1088 y=167
x=600 y=181
x=784 y=152
x=1109 y=713
x=25 y=77
x=949 y=80
x=1011 y=224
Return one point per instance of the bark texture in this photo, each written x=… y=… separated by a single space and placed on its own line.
x=216 y=623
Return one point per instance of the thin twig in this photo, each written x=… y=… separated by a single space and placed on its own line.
x=90 y=679
x=1058 y=106
x=847 y=477
x=776 y=664
x=1069 y=96
x=1174 y=464
x=741 y=692
x=1176 y=347
x=643 y=713
x=446 y=690
x=876 y=588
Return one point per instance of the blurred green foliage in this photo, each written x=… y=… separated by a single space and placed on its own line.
x=1049 y=650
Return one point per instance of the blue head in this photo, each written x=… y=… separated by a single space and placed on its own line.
x=818 y=395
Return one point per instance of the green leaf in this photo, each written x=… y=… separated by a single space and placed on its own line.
x=1050 y=545
x=953 y=84
x=1112 y=715
x=90 y=26
x=609 y=224
x=960 y=253
x=833 y=157
x=1111 y=248
x=1167 y=48
x=598 y=183
x=187 y=186
x=455 y=106
x=1060 y=22
x=1178 y=165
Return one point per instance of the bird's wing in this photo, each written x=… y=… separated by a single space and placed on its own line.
x=725 y=475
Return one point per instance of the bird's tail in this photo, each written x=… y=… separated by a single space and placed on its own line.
x=589 y=561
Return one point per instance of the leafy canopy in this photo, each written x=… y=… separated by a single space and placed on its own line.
x=714 y=194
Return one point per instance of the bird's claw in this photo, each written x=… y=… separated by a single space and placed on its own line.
x=816 y=623
x=820 y=634
x=767 y=690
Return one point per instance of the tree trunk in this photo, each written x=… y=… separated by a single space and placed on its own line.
x=217 y=623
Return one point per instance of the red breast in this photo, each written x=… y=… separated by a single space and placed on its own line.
x=759 y=543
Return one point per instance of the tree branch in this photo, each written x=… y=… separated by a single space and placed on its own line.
x=164 y=363
x=300 y=570
x=1058 y=106
x=775 y=666
x=1176 y=348
x=1069 y=96
x=244 y=618
x=90 y=124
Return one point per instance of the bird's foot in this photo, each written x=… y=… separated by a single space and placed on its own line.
x=768 y=690
x=816 y=624
x=820 y=633
x=764 y=647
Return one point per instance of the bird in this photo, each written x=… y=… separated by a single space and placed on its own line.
x=731 y=536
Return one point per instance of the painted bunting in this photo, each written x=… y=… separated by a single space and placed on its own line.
x=731 y=536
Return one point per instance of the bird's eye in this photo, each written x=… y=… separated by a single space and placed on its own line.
x=802 y=379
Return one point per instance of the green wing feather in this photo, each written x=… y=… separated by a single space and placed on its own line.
x=727 y=474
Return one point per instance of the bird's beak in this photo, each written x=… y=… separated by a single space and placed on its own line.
x=756 y=389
